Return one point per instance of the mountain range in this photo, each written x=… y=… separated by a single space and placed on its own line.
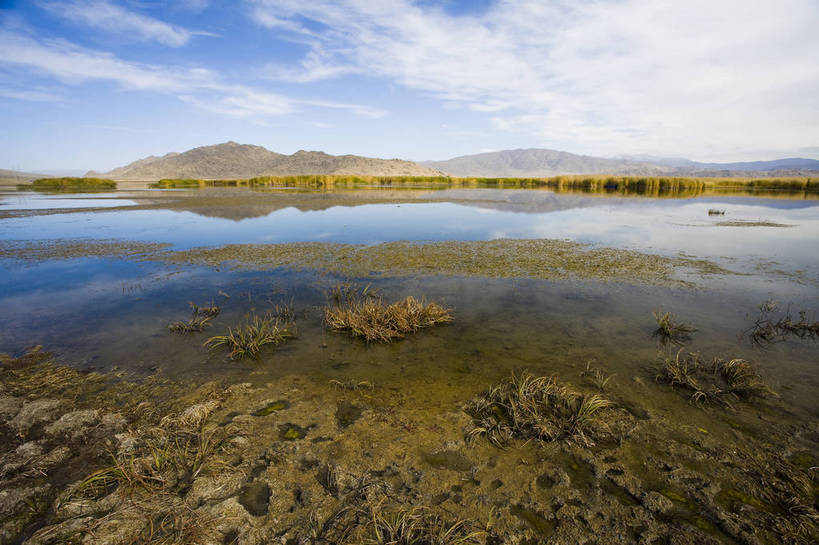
x=232 y=160
x=545 y=162
x=235 y=161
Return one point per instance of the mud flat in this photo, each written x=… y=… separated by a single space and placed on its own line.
x=88 y=459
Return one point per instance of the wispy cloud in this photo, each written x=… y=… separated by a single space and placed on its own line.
x=72 y=64
x=104 y=15
x=598 y=76
x=31 y=95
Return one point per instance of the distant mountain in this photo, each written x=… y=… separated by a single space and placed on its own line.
x=545 y=162
x=232 y=160
x=790 y=163
x=17 y=177
x=541 y=162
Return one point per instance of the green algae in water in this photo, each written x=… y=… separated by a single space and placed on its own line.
x=292 y=432
x=730 y=499
x=673 y=496
x=448 y=459
x=537 y=522
x=270 y=408
x=803 y=459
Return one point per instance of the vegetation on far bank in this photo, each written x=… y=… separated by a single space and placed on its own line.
x=56 y=184
x=681 y=186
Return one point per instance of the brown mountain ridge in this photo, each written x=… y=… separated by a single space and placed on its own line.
x=236 y=161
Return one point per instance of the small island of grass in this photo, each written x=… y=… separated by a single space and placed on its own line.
x=63 y=184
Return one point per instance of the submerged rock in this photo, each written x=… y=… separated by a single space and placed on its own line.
x=73 y=425
x=38 y=412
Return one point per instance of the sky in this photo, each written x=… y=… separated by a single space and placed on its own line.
x=95 y=84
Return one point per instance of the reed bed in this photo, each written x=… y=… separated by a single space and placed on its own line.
x=530 y=407
x=365 y=315
x=631 y=185
x=69 y=183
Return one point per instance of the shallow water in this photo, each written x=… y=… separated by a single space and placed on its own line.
x=111 y=314
x=106 y=313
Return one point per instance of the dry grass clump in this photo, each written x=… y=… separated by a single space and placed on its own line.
x=742 y=379
x=669 y=330
x=715 y=212
x=165 y=457
x=768 y=329
x=200 y=317
x=530 y=407
x=247 y=339
x=365 y=315
x=719 y=382
x=416 y=526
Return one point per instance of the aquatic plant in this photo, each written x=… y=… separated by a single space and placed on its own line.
x=669 y=330
x=528 y=407
x=719 y=382
x=597 y=376
x=200 y=317
x=742 y=378
x=248 y=338
x=365 y=315
x=352 y=385
x=768 y=329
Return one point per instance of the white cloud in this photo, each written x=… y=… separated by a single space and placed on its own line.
x=30 y=95
x=74 y=65
x=109 y=17
x=640 y=76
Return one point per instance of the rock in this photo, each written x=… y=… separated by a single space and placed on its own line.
x=55 y=457
x=29 y=450
x=214 y=488
x=61 y=533
x=9 y=407
x=73 y=425
x=124 y=528
x=657 y=503
x=128 y=443
x=113 y=423
x=19 y=507
x=38 y=412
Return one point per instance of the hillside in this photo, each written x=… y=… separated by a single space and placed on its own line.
x=541 y=162
x=17 y=177
x=546 y=162
x=232 y=160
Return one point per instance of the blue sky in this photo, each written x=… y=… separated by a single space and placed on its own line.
x=93 y=84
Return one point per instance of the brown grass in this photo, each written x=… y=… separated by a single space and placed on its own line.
x=670 y=330
x=365 y=315
x=528 y=407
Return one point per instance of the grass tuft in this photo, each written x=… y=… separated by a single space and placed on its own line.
x=719 y=383
x=769 y=329
x=365 y=315
x=200 y=317
x=247 y=339
x=669 y=330
x=530 y=407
